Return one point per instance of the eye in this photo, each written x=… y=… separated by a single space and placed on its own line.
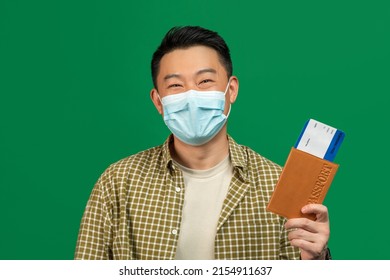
x=206 y=81
x=174 y=85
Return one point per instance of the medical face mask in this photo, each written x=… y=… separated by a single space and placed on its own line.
x=195 y=117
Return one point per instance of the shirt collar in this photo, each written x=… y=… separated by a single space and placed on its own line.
x=166 y=154
x=237 y=153
x=239 y=158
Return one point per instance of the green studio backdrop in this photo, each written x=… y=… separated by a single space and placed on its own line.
x=75 y=83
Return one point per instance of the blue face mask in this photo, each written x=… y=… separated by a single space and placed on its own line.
x=195 y=117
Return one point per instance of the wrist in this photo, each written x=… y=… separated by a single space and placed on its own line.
x=325 y=254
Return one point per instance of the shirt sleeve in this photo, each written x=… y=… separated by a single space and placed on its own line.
x=93 y=241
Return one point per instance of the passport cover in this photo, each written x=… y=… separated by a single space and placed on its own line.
x=304 y=179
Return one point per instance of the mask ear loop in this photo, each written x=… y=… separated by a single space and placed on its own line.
x=158 y=95
x=230 y=105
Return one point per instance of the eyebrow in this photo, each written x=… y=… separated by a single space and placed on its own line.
x=170 y=76
x=207 y=70
x=202 y=71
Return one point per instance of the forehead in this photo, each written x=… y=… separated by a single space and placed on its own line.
x=190 y=60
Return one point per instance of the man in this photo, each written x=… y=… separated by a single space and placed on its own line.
x=200 y=195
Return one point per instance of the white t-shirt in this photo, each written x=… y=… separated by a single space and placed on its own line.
x=205 y=191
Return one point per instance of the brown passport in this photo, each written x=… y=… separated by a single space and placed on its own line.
x=304 y=179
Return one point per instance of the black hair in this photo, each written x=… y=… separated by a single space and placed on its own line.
x=189 y=36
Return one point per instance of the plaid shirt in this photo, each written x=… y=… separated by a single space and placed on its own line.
x=135 y=209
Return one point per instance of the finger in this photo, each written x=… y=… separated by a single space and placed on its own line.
x=321 y=211
x=301 y=223
x=315 y=249
x=302 y=234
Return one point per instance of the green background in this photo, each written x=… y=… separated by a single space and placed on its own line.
x=74 y=97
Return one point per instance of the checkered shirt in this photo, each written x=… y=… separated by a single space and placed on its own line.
x=135 y=210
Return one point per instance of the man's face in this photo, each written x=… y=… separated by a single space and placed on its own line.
x=197 y=68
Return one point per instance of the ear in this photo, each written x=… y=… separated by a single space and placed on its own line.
x=233 y=89
x=156 y=100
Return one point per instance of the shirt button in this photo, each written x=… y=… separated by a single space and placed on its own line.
x=174 y=231
x=177 y=189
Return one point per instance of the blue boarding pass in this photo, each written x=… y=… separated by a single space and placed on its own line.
x=320 y=140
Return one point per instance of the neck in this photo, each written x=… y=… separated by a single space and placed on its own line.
x=201 y=157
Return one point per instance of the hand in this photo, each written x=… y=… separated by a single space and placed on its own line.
x=311 y=237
